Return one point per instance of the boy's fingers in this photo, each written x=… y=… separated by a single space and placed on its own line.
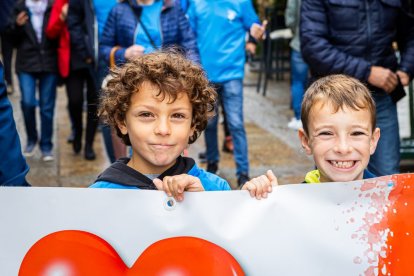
x=249 y=186
x=190 y=183
x=272 y=178
x=158 y=183
x=176 y=185
x=168 y=181
x=252 y=189
x=259 y=187
x=266 y=185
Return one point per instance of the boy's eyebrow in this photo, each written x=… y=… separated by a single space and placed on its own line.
x=144 y=106
x=154 y=107
x=181 y=108
x=363 y=126
x=324 y=126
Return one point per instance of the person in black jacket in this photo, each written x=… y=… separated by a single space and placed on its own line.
x=355 y=37
x=83 y=65
x=36 y=67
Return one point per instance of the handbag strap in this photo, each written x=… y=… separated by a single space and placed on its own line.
x=138 y=18
x=112 y=56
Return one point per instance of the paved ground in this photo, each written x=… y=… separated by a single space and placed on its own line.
x=271 y=144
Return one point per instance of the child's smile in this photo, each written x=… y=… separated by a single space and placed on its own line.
x=343 y=164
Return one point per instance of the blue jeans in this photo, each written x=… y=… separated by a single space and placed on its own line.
x=47 y=95
x=299 y=71
x=231 y=93
x=386 y=159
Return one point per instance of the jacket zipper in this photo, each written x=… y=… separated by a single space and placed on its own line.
x=369 y=31
x=95 y=36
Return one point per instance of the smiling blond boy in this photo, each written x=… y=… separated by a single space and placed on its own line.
x=339 y=129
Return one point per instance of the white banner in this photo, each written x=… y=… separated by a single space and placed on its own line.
x=327 y=229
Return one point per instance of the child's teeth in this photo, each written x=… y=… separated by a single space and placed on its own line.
x=343 y=164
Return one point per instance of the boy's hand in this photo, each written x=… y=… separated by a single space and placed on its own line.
x=258 y=31
x=176 y=185
x=260 y=186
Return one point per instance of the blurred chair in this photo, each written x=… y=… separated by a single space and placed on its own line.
x=275 y=54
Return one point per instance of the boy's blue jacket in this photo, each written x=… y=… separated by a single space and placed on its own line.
x=120 y=176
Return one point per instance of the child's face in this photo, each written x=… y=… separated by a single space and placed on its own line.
x=341 y=142
x=158 y=130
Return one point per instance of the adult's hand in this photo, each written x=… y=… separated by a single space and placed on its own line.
x=383 y=78
x=404 y=78
x=64 y=12
x=251 y=48
x=22 y=18
x=257 y=31
x=134 y=51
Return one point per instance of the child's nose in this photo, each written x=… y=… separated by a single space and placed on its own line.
x=163 y=127
x=343 y=146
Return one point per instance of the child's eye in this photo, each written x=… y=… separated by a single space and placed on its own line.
x=178 y=116
x=145 y=114
x=357 y=133
x=325 y=133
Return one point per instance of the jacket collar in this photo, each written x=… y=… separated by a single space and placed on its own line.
x=313 y=177
x=120 y=173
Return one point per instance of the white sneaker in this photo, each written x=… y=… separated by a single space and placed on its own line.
x=47 y=156
x=295 y=124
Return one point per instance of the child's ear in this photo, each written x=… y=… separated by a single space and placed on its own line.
x=374 y=140
x=122 y=127
x=192 y=130
x=304 y=141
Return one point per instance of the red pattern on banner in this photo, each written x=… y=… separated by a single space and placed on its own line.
x=398 y=259
x=77 y=253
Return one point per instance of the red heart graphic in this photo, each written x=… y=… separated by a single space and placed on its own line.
x=73 y=253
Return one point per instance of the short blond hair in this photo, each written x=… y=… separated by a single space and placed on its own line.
x=340 y=91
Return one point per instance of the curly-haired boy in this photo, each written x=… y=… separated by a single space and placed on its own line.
x=158 y=103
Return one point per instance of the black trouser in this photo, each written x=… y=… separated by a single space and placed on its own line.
x=75 y=87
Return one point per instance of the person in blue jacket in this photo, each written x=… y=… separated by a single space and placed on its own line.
x=137 y=27
x=159 y=103
x=221 y=28
x=13 y=167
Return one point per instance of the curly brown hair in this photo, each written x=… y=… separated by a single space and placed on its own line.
x=172 y=73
